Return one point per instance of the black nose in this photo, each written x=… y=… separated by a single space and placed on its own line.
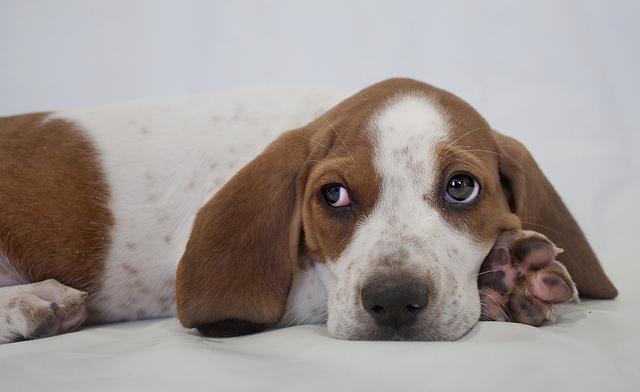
x=395 y=302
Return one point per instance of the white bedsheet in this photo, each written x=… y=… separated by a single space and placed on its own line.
x=593 y=347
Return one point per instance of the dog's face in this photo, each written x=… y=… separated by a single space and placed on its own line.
x=399 y=191
x=398 y=210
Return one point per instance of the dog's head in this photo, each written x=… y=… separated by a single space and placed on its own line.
x=400 y=191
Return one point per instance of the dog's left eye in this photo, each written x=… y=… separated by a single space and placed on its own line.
x=462 y=189
x=336 y=196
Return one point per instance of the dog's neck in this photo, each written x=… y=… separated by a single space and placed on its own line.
x=307 y=301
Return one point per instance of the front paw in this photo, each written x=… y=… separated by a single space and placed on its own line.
x=521 y=281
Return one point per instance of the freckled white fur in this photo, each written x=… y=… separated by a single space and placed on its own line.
x=163 y=160
x=404 y=228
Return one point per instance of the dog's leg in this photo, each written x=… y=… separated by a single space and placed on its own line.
x=521 y=280
x=40 y=309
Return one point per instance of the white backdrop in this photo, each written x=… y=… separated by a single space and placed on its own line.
x=560 y=75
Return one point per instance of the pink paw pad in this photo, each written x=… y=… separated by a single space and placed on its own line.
x=531 y=253
x=497 y=272
x=550 y=287
x=527 y=310
x=520 y=280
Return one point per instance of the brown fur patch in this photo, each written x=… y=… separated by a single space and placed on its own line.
x=242 y=249
x=54 y=219
x=541 y=209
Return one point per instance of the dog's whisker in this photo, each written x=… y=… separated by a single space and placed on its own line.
x=486 y=272
x=301 y=319
x=525 y=221
x=342 y=141
x=499 y=306
x=462 y=136
x=309 y=316
x=468 y=163
x=297 y=269
x=293 y=309
x=487 y=151
x=319 y=144
x=325 y=162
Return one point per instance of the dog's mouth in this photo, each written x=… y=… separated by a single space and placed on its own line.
x=395 y=334
x=413 y=325
x=418 y=332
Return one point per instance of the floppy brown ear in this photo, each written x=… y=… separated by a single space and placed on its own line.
x=235 y=273
x=541 y=209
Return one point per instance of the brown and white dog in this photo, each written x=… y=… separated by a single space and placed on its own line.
x=397 y=214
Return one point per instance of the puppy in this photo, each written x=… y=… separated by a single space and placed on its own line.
x=398 y=214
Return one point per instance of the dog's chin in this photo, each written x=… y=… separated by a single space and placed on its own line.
x=424 y=333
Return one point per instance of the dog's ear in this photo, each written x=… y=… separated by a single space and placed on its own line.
x=235 y=273
x=540 y=208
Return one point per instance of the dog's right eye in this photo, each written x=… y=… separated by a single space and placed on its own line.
x=462 y=189
x=336 y=196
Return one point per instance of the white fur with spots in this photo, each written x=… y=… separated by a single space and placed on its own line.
x=164 y=159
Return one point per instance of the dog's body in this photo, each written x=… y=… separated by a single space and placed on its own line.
x=155 y=163
x=104 y=201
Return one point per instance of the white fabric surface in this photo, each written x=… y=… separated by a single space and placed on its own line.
x=593 y=347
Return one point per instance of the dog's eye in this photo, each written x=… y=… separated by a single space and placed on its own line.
x=336 y=196
x=462 y=189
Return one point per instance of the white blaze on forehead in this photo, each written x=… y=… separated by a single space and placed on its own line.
x=407 y=130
